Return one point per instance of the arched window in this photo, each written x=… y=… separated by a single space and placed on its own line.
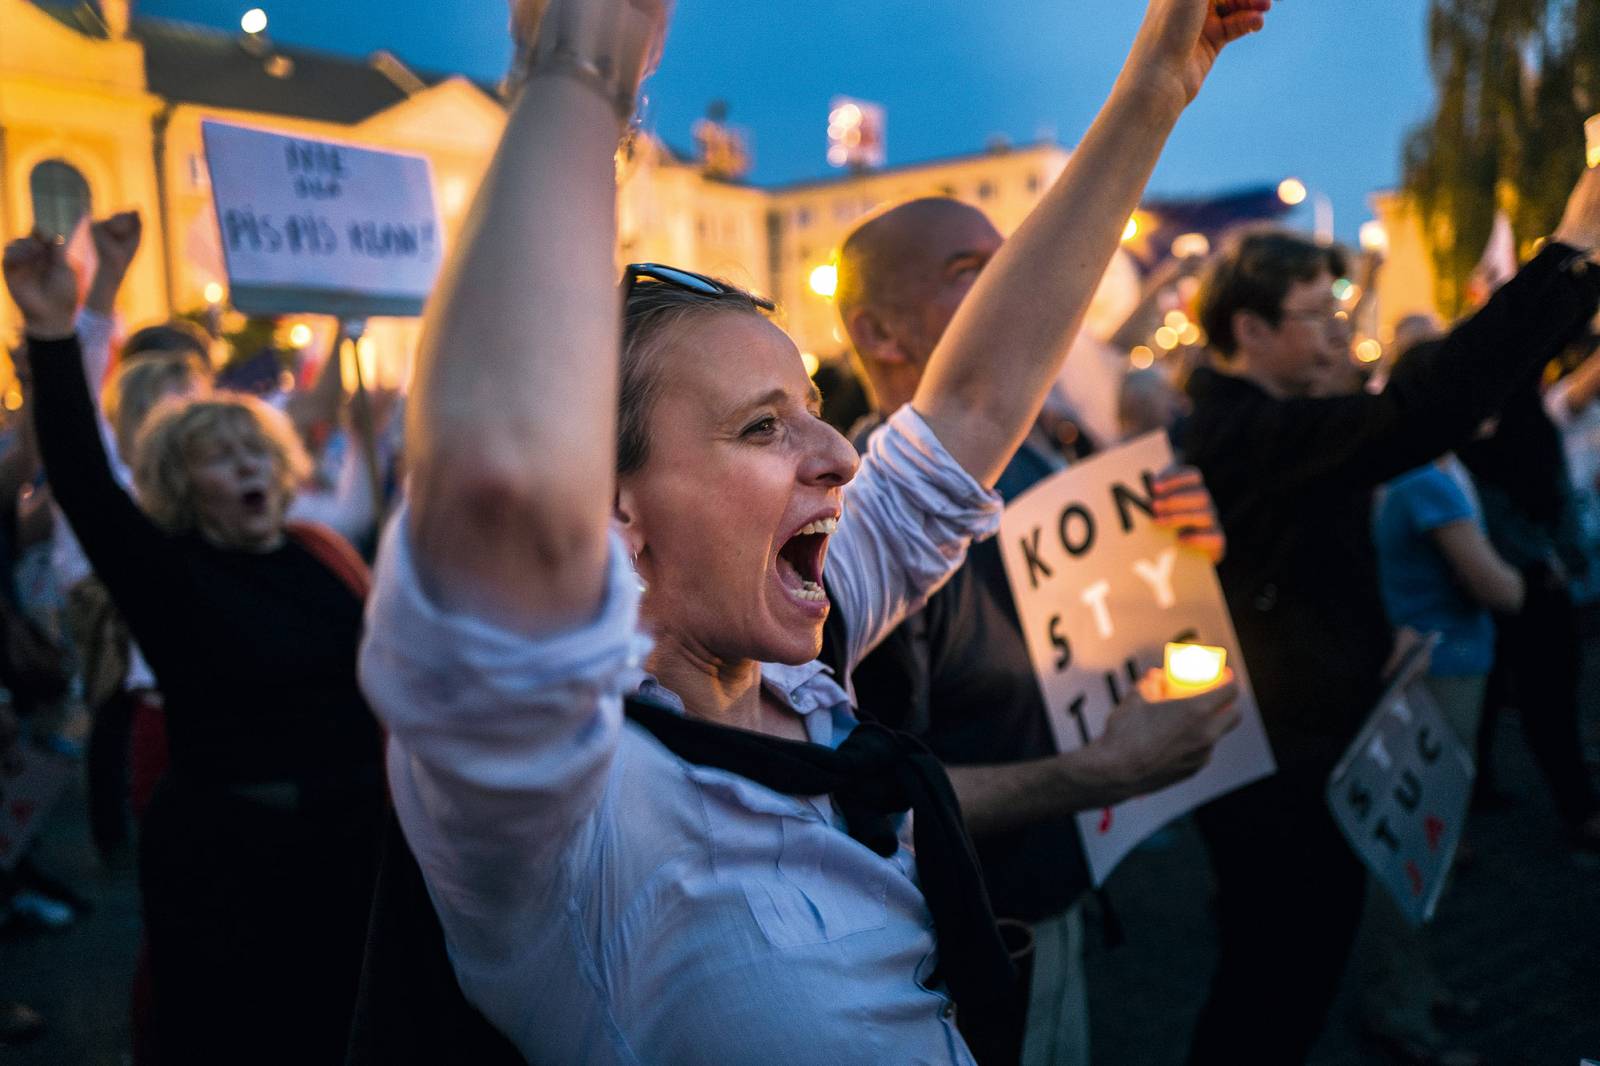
x=60 y=197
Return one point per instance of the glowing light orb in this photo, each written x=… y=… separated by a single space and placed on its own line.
x=1192 y=668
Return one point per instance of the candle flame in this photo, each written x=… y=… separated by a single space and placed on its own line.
x=1194 y=665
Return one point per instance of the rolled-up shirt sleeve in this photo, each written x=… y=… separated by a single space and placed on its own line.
x=500 y=744
x=909 y=516
x=94 y=337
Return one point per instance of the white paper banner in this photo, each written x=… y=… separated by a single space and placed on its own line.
x=1400 y=794
x=1100 y=590
x=322 y=227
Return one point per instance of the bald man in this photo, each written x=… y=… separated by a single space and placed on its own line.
x=958 y=673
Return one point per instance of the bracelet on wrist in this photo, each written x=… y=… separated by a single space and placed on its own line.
x=584 y=70
x=607 y=54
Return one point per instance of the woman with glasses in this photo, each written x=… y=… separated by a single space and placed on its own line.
x=721 y=874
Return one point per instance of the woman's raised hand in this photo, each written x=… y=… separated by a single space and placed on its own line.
x=43 y=284
x=1181 y=39
x=619 y=42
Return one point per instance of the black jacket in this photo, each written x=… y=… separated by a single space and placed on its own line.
x=957 y=675
x=1293 y=483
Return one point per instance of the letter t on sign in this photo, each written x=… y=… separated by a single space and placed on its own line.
x=1094 y=597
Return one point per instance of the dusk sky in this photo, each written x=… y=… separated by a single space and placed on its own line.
x=1325 y=94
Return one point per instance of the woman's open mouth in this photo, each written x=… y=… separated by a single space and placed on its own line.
x=800 y=560
x=254 y=500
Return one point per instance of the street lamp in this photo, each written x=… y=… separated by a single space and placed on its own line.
x=254 y=21
x=1375 y=238
x=824 y=280
x=214 y=293
x=1293 y=192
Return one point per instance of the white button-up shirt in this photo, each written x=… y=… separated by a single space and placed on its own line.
x=604 y=901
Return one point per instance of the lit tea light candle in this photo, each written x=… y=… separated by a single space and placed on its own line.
x=1193 y=668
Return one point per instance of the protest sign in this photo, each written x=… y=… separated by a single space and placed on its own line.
x=321 y=227
x=1100 y=589
x=1400 y=793
x=28 y=791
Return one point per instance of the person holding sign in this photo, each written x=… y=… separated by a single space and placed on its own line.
x=957 y=673
x=259 y=848
x=721 y=876
x=1439 y=574
x=1293 y=477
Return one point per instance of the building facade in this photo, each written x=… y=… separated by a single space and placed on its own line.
x=100 y=111
x=808 y=222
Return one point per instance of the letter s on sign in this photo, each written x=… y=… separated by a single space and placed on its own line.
x=1062 y=645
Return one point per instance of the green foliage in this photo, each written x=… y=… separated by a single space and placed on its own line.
x=1515 y=80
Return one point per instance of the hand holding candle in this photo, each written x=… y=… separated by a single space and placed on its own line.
x=1163 y=736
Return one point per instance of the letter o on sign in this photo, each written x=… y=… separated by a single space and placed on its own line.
x=1076 y=546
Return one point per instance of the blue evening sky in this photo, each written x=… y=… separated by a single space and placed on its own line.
x=1326 y=93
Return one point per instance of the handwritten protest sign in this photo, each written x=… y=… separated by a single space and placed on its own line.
x=1100 y=589
x=28 y=791
x=1400 y=793
x=322 y=227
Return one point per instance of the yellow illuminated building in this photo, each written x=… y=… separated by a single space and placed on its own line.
x=808 y=222
x=776 y=241
x=1406 y=283
x=100 y=111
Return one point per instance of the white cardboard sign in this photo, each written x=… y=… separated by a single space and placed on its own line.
x=1100 y=589
x=322 y=227
x=1401 y=792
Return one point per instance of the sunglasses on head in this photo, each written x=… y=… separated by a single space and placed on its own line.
x=687 y=280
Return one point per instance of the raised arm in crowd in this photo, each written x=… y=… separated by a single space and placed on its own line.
x=259 y=847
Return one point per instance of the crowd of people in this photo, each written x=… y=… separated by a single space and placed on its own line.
x=674 y=724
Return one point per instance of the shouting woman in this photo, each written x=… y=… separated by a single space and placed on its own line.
x=720 y=874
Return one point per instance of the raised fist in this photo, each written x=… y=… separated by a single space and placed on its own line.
x=116 y=240
x=43 y=284
x=1183 y=38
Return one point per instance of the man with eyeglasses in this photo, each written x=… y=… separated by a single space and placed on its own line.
x=1292 y=470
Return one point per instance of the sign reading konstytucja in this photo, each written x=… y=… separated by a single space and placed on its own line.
x=1100 y=589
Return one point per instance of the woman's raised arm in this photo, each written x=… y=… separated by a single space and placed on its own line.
x=512 y=423
x=989 y=375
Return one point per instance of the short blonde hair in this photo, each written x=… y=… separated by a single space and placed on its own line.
x=177 y=427
x=140 y=384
